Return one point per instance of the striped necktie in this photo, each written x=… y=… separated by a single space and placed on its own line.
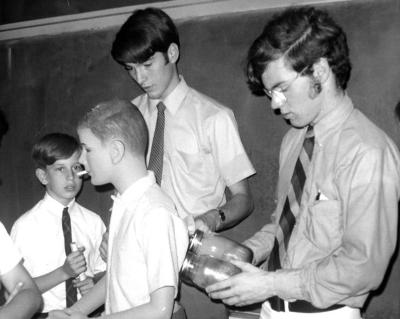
x=292 y=202
x=157 y=148
x=70 y=290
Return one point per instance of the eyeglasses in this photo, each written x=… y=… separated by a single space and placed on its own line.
x=277 y=94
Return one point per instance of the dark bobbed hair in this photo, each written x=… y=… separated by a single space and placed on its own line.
x=146 y=32
x=118 y=119
x=52 y=147
x=302 y=36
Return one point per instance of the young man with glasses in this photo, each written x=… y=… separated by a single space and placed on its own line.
x=335 y=224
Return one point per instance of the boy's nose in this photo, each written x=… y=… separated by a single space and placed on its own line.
x=140 y=78
x=82 y=159
x=70 y=174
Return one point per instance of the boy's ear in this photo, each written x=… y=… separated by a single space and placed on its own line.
x=41 y=176
x=173 y=53
x=117 y=151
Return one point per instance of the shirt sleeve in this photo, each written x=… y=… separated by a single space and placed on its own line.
x=369 y=191
x=164 y=242
x=261 y=243
x=10 y=256
x=227 y=148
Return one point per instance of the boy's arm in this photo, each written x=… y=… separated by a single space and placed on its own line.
x=160 y=307
x=238 y=207
x=92 y=300
x=27 y=301
x=87 y=284
x=74 y=265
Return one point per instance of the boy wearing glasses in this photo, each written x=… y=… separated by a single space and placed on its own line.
x=335 y=224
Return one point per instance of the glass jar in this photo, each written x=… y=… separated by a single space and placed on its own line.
x=219 y=246
x=202 y=270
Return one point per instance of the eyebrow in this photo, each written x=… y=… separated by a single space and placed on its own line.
x=279 y=84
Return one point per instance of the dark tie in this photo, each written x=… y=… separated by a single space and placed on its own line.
x=157 y=148
x=71 y=293
x=293 y=201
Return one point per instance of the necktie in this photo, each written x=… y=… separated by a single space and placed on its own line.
x=292 y=202
x=71 y=293
x=157 y=148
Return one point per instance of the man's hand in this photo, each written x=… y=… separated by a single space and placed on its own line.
x=75 y=263
x=104 y=246
x=84 y=286
x=251 y=286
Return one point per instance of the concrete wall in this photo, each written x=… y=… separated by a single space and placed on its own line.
x=52 y=81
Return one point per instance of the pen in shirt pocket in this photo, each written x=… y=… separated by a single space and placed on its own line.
x=320 y=196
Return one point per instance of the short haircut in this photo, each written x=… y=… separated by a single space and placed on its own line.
x=146 y=32
x=53 y=147
x=302 y=36
x=118 y=119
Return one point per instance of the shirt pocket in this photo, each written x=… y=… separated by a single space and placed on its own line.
x=199 y=164
x=323 y=225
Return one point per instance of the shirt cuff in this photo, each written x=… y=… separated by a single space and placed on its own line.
x=287 y=285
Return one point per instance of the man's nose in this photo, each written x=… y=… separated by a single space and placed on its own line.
x=277 y=101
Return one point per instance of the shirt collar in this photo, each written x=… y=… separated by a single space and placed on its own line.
x=334 y=119
x=174 y=100
x=136 y=190
x=55 y=206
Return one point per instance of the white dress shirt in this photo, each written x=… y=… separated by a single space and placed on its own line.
x=39 y=236
x=147 y=245
x=9 y=255
x=203 y=152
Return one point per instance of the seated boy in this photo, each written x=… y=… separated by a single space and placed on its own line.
x=24 y=299
x=44 y=234
x=147 y=239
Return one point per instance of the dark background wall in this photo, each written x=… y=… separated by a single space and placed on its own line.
x=21 y=10
x=50 y=82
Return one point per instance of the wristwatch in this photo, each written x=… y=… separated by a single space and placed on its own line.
x=222 y=216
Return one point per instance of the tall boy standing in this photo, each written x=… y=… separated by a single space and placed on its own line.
x=201 y=154
x=44 y=234
x=147 y=239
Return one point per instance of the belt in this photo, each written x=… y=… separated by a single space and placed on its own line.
x=40 y=315
x=277 y=304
